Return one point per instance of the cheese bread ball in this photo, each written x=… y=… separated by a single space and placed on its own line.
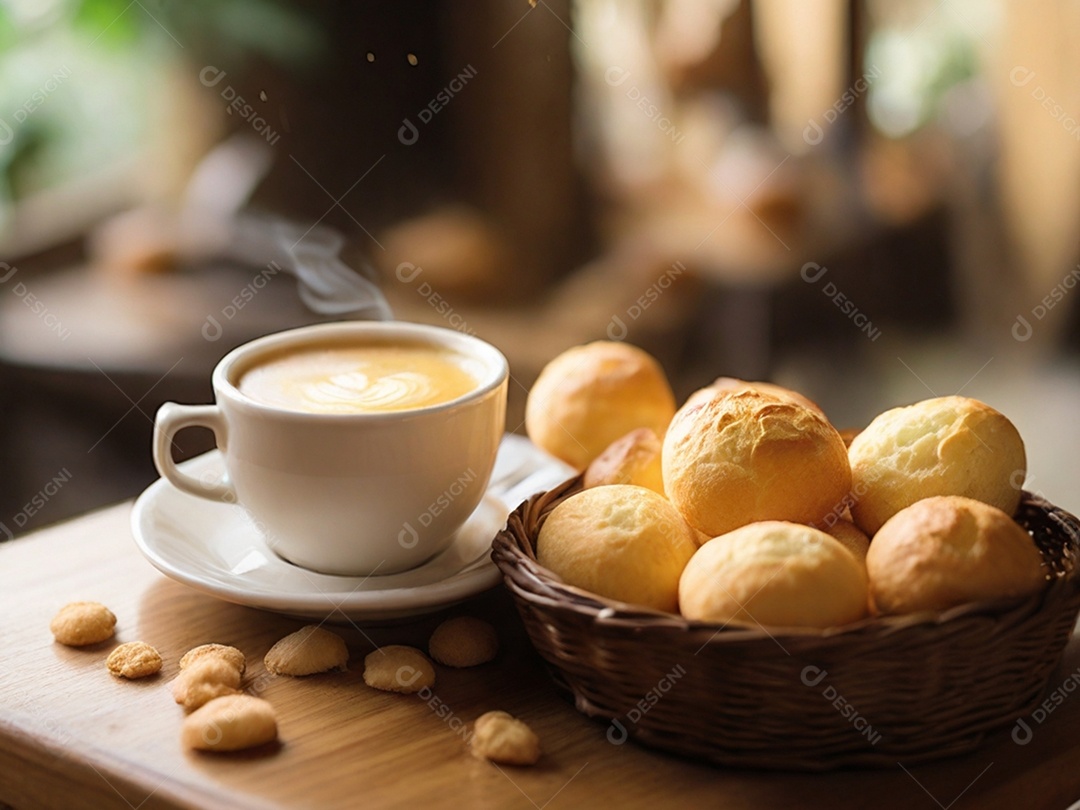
x=850 y=536
x=591 y=395
x=633 y=459
x=941 y=446
x=729 y=384
x=774 y=574
x=623 y=542
x=947 y=550
x=746 y=456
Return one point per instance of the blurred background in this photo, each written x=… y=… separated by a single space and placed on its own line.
x=873 y=202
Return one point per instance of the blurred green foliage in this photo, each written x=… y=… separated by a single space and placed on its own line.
x=229 y=30
x=79 y=76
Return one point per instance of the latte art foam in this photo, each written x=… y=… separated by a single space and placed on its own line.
x=355 y=389
x=367 y=379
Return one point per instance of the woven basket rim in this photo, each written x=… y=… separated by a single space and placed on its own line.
x=525 y=576
x=935 y=683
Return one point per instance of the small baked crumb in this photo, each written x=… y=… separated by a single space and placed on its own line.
x=396 y=668
x=223 y=651
x=502 y=738
x=135 y=659
x=230 y=723
x=309 y=650
x=208 y=678
x=81 y=623
x=463 y=641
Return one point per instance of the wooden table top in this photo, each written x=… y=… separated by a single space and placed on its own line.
x=73 y=736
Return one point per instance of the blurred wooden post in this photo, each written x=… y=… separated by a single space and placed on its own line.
x=511 y=131
x=1038 y=174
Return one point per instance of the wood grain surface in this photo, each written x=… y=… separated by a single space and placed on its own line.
x=73 y=736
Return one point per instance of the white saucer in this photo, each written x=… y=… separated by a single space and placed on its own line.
x=215 y=548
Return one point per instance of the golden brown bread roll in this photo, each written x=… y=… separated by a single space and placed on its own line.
x=591 y=395
x=941 y=446
x=732 y=384
x=944 y=551
x=633 y=459
x=850 y=536
x=774 y=574
x=623 y=542
x=746 y=456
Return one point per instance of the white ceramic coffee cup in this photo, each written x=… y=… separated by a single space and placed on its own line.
x=351 y=494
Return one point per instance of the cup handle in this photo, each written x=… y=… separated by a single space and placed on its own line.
x=171 y=419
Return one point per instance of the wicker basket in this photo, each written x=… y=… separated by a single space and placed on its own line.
x=906 y=688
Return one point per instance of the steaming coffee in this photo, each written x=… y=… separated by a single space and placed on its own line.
x=375 y=378
x=361 y=495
